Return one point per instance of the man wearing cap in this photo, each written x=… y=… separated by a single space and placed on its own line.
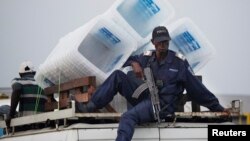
x=26 y=93
x=172 y=74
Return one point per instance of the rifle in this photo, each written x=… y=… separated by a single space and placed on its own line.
x=153 y=90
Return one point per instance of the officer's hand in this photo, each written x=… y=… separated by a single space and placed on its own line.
x=137 y=70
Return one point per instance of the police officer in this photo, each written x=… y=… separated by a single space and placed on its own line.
x=172 y=74
x=27 y=93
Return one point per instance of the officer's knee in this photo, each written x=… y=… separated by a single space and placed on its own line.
x=130 y=116
x=118 y=73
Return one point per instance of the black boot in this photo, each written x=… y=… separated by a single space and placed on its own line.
x=85 y=107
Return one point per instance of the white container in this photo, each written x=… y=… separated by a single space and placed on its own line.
x=97 y=48
x=140 y=17
x=189 y=40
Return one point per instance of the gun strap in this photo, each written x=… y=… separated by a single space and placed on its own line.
x=139 y=90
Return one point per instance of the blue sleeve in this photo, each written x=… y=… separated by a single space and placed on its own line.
x=136 y=58
x=198 y=92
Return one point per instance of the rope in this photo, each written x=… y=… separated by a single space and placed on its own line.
x=59 y=89
x=39 y=92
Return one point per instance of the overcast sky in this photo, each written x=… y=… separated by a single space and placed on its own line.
x=30 y=29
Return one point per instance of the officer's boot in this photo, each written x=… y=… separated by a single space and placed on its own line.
x=82 y=107
x=85 y=107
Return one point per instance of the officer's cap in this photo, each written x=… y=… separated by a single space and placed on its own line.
x=159 y=34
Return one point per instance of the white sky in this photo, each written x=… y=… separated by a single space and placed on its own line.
x=30 y=29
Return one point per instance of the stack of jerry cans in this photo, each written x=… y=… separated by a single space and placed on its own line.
x=97 y=48
x=103 y=44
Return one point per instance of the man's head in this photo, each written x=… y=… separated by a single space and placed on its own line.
x=26 y=67
x=159 y=34
x=161 y=38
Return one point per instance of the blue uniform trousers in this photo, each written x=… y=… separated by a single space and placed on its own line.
x=141 y=111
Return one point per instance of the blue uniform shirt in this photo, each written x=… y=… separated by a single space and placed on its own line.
x=172 y=76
